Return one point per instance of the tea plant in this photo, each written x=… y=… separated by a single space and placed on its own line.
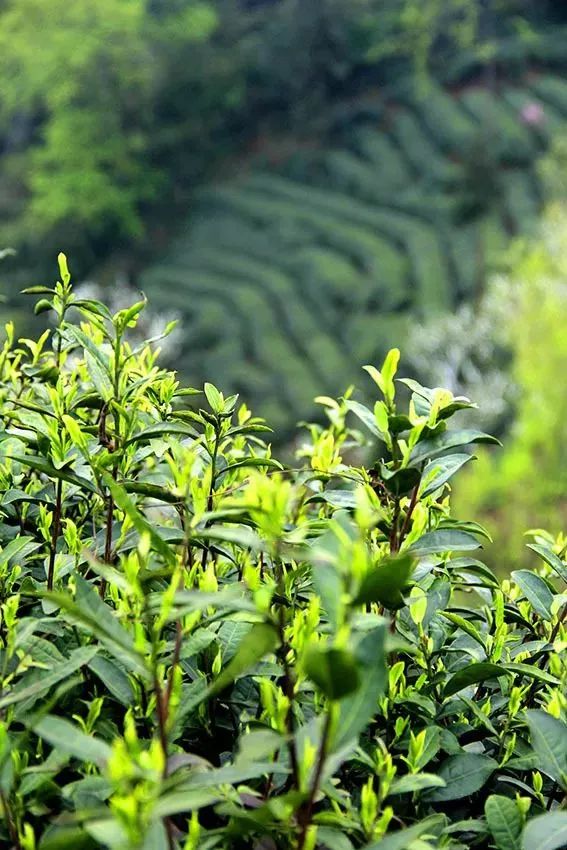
x=203 y=649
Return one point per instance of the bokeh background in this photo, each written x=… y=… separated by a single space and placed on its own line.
x=304 y=184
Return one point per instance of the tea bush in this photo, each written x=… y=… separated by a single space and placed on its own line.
x=204 y=649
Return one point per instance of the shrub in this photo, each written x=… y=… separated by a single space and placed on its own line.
x=204 y=649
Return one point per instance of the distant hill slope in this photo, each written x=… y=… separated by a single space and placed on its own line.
x=292 y=275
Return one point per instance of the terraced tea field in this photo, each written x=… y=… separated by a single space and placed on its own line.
x=292 y=275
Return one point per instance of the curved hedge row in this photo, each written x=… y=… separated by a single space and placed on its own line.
x=328 y=253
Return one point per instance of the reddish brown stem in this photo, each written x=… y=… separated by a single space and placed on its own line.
x=55 y=534
x=306 y=812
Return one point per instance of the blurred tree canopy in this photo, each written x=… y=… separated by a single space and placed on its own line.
x=112 y=111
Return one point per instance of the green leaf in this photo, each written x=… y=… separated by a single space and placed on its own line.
x=385 y=582
x=152 y=491
x=366 y=417
x=214 y=398
x=89 y=611
x=70 y=738
x=33 y=685
x=258 y=642
x=427 y=449
x=445 y=540
x=439 y=472
x=415 y=782
x=400 y=482
x=532 y=672
x=504 y=821
x=161 y=429
x=99 y=377
x=358 y=708
x=113 y=678
x=471 y=675
x=333 y=669
x=549 y=740
x=402 y=839
x=550 y=558
x=42 y=465
x=18 y=549
x=140 y=523
x=66 y=838
x=79 y=337
x=536 y=591
x=465 y=625
x=268 y=462
x=546 y=832
x=464 y=774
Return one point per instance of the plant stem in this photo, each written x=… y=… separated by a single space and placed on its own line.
x=211 y=490
x=559 y=623
x=394 y=529
x=288 y=687
x=10 y=822
x=55 y=533
x=405 y=526
x=306 y=812
x=174 y=663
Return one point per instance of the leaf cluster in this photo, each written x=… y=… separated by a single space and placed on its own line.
x=202 y=648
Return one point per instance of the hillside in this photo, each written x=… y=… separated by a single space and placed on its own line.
x=306 y=264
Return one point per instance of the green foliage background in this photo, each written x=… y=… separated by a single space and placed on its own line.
x=302 y=183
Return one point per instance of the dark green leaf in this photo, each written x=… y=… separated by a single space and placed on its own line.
x=441 y=471
x=161 y=429
x=258 y=642
x=402 y=839
x=33 y=685
x=472 y=674
x=463 y=774
x=333 y=670
x=69 y=738
x=428 y=449
x=357 y=709
x=504 y=821
x=549 y=740
x=42 y=465
x=536 y=591
x=546 y=832
x=445 y=540
x=385 y=582
x=550 y=558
